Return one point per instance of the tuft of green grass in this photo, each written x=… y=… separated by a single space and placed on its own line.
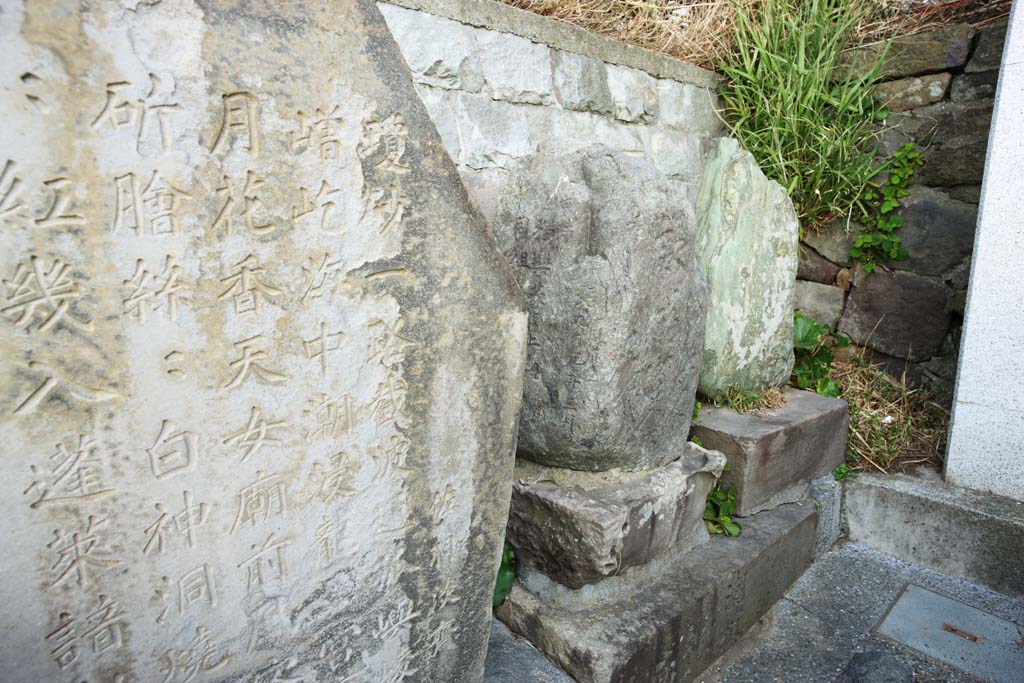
x=807 y=122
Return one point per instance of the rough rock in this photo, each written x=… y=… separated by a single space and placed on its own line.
x=529 y=83
x=773 y=454
x=956 y=137
x=634 y=93
x=827 y=494
x=921 y=53
x=834 y=240
x=979 y=86
x=877 y=666
x=747 y=235
x=580 y=527
x=492 y=134
x=581 y=83
x=667 y=621
x=449 y=63
x=988 y=52
x=898 y=313
x=471 y=59
x=604 y=249
x=514 y=660
x=261 y=364
x=688 y=108
x=970 y=194
x=937 y=231
x=823 y=303
x=908 y=93
x=815 y=267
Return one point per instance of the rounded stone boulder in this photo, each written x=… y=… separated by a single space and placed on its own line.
x=603 y=246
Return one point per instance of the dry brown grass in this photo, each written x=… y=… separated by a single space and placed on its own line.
x=893 y=427
x=700 y=31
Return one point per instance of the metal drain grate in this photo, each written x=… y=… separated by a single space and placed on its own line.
x=977 y=642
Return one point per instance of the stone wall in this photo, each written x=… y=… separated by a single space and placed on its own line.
x=908 y=314
x=498 y=98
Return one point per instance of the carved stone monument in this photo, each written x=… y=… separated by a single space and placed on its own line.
x=747 y=234
x=603 y=245
x=260 y=369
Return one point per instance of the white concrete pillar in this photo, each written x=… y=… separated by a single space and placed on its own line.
x=986 y=444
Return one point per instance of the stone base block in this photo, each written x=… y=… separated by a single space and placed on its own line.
x=579 y=527
x=970 y=534
x=775 y=453
x=667 y=621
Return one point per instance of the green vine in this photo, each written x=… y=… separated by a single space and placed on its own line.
x=718 y=511
x=506 y=576
x=877 y=241
x=812 y=346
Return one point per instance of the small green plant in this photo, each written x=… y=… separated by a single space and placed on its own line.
x=744 y=400
x=805 y=117
x=697 y=405
x=878 y=204
x=812 y=345
x=506 y=576
x=718 y=511
x=696 y=440
x=843 y=472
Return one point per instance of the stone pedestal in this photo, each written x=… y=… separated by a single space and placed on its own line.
x=775 y=453
x=580 y=527
x=260 y=367
x=668 y=620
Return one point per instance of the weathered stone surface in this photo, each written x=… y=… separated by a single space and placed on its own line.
x=908 y=93
x=579 y=527
x=834 y=240
x=529 y=82
x=747 y=235
x=898 y=313
x=492 y=134
x=988 y=52
x=676 y=154
x=448 y=63
x=261 y=369
x=937 y=231
x=827 y=494
x=774 y=454
x=513 y=660
x=930 y=51
x=823 y=303
x=471 y=59
x=962 y=532
x=956 y=137
x=604 y=249
x=667 y=621
x=581 y=83
x=815 y=267
x=971 y=194
x=689 y=108
x=633 y=92
x=979 y=86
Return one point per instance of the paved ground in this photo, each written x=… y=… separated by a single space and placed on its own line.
x=826 y=618
x=821 y=630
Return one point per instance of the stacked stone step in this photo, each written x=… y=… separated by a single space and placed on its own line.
x=617 y=580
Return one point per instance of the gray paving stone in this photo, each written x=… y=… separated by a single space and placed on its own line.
x=824 y=623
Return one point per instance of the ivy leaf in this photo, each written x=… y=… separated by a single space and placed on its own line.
x=888 y=205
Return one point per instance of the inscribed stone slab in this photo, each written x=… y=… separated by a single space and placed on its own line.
x=260 y=371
